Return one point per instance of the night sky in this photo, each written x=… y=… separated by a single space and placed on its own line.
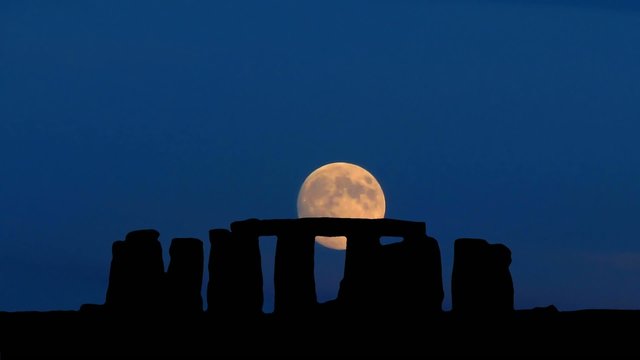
x=513 y=121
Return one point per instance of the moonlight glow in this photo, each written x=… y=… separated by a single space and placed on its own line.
x=340 y=190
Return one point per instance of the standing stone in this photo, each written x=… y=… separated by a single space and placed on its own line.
x=503 y=284
x=117 y=289
x=184 y=276
x=481 y=281
x=294 y=279
x=137 y=273
x=411 y=277
x=235 y=274
x=359 y=288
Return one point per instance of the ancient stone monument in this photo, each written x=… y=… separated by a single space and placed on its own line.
x=400 y=277
x=184 y=276
x=481 y=282
x=137 y=273
x=398 y=280
x=235 y=273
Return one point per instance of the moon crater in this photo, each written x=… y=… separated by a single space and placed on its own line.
x=340 y=190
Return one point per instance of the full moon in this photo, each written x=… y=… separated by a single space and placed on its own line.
x=340 y=190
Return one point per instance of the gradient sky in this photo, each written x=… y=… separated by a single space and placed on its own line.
x=513 y=121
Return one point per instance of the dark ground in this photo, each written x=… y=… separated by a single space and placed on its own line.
x=540 y=332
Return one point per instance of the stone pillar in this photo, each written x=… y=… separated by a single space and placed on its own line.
x=184 y=276
x=426 y=269
x=235 y=274
x=411 y=276
x=137 y=273
x=481 y=281
x=117 y=287
x=294 y=279
x=359 y=288
x=500 y=260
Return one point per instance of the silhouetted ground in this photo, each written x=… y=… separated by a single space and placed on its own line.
x=533 y=332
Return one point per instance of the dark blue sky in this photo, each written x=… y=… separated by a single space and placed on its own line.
x=514 y=121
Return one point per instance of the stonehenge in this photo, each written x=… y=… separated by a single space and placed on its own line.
x=400 y=279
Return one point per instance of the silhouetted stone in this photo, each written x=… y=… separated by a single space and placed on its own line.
x=411 y=277
x=396 y=282
x=91 y=308
x=481 y=281
x=360 y=285
x=235 y=274
x=549 y=309
x=324 y=226
x=184 y=276
x=294 y=280
x=503 y=282
x=400 y=279
x=117 y=289
x=375 y=277
x=137 y=273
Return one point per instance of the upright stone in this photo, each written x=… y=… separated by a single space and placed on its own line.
x=503 y=283
x=481 y=282
x=184 y=276
x=430 y=266
x=117 y=288
x=235 y=274
x=294 y=281
x=411 y=277
x=360 y=285
x=137 y=273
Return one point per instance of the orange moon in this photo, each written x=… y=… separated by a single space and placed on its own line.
x=341 y=190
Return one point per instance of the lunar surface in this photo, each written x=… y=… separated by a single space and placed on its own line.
x=341 y=190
